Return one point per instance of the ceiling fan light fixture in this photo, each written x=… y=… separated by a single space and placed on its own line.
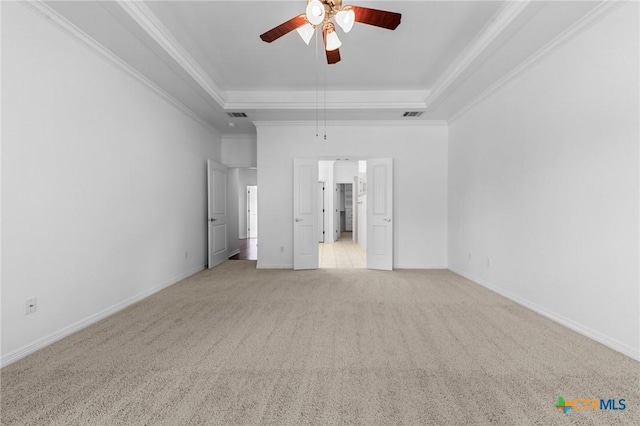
x=315 y=12
x=332 y=41
x=306 y=32
x=346 y=18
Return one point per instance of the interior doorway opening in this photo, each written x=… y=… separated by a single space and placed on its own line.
x=248 y=225
x=342 y=214
x=252 y=211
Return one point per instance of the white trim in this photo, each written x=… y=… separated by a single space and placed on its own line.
x=414 y=266
x=336 y=99
x=92 y=319
x=505 y=16
x=581 y=25
x=148 y=21
x=233 y=253
x=401 y=122
x=577 y=327
x=61 y=23
x=240 y=166
x=339 y=105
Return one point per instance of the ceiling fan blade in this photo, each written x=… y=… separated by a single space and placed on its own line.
x=378 y=18
x=284 y=28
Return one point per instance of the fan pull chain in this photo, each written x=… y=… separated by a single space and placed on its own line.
x=317 y=82
x=325 y=102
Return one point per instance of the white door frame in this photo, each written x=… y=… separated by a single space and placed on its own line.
x=249 y=203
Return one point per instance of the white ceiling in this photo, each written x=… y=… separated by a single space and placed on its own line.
x=207 y=55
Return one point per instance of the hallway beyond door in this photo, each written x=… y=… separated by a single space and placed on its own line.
x=248 y=249
x=342 y=254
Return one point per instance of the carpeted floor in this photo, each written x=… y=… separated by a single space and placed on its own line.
x=236 y=345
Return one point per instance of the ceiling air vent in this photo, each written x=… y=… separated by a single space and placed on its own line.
x=236 y=114
x=412 y=114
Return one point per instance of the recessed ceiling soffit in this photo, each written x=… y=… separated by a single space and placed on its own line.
x=419 y=98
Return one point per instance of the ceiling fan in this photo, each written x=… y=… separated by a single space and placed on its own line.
x=320 y=13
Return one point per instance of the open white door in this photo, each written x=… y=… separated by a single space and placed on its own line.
x=217 y=191
x=305 y=214
x=380 y=214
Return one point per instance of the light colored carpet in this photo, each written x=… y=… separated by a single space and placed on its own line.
x=236 y=345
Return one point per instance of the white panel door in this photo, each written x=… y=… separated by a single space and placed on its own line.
x=380 y=214
x=305 y=214
x=217 y=190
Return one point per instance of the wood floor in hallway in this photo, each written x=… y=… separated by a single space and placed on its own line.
x=248 y=249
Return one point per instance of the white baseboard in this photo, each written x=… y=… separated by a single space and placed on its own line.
x=577 y=327
x=233 y=253
x=407 y=266
x=412 y=266
x=73 y=328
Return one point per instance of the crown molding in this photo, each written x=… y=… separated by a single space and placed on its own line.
x=347 y=123
x=150 y=23
x=507 y=14
x=58 y=21
x=335 y=99
x=597 y=13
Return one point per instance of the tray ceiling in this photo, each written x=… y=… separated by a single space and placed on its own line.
x=207 y=56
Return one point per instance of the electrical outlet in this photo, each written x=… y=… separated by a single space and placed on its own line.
x=281 y=249
x=186 y=254
x=469 y=256
x=31 y=306
x=489 y=262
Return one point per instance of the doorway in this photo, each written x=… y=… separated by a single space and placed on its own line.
x=248 y=225
x=379 y=209
x=252 y=211
x=249 y=246
x=337 y=207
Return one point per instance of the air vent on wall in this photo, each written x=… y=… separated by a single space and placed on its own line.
x=412 y=114
x=236 y=114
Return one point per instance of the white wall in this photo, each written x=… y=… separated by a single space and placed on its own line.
x=544 y=181
x=239 y=150
x=420 y=158
x=103 y=186
x=345 y=171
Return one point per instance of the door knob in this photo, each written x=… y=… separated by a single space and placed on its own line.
x=298 y=219
x=212 y=220
x=387 y=220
